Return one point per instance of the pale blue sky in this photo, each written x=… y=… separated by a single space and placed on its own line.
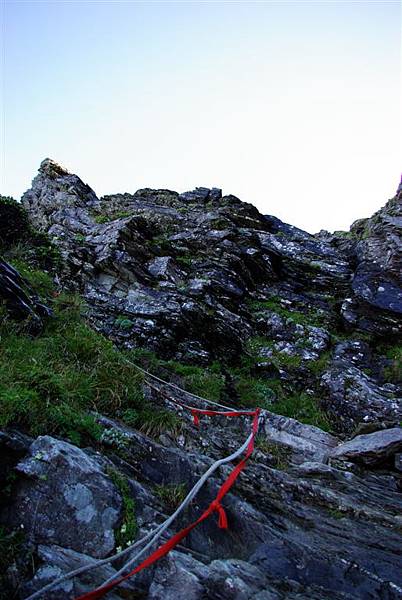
x=293 y=106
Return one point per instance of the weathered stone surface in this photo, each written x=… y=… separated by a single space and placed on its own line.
x=353 y=397
x=319 y=514
x=199 y=277
x=307 y=441
x=371 y=449
x=377 y=283
x=307 y=532
x=19 y=298
x=57 y=561
x=57 y=194
x=64 y=497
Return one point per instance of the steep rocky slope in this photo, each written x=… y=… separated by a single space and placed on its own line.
x=238 y=306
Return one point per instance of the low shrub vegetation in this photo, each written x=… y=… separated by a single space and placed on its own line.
x=304 y=408
x=171 y=495
x=393 y=371
x=127 y=532
x=19 y=241
x=101 y=219
x=50 y=383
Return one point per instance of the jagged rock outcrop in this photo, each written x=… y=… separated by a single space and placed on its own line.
x=374 y=245
x=195 y=276
x=19 y=298
x=374 y=448
x=297 y=528
x=310 y=319
x=354 y=396
x=85 y=506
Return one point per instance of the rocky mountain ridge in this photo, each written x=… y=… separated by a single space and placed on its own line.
x=306 y=326
x=197 y=277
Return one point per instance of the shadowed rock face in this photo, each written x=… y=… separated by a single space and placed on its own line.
x=168 y=259
x=199 y=276
x=196 y=276
x=85 y=506
x=19 y=299
x=306 y=529
x=377 y=284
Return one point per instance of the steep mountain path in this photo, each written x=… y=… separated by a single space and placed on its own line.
x=209 y=298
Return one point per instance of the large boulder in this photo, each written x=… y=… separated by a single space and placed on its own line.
x=377 y=302
x=372 y=448
x=65 y=498
x=55 y=562
x=306 y=441
x=353 y=397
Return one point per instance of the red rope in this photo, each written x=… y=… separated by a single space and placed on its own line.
x=215 y=506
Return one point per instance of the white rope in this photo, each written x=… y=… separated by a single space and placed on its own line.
x=98 y=563
x=156 y=533
x=183 y=505
x=176 y=387
x=159 y=530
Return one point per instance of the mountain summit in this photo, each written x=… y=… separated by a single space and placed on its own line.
x=221 y=301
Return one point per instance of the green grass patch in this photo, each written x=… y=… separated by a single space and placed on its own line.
x=123 y=322
x=254 y=392
x=313 y=317
x=19 y=240
x=49 y=384
x=122 y=214
x=172 y=495
x=153 y=421
x=207 y=382
x=280 y=454
x=281 y=360
x=318 y=366
x=393 y=371
x=40 y=281
x=10 y=548
x=128 y=530
x=185 y=261
x=304 y=408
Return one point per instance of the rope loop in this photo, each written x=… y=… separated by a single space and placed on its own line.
x=195 y=417
x=222 y=521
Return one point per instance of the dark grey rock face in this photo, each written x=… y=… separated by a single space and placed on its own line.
x=352 y=396
x=197 y=277
x=371 y=449
x=377 y=281
x=56 y=196
x=64 y=497
x=302 y=530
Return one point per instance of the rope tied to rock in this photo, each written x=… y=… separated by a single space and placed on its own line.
x=222 y=520
x=215 y=505
x=195 y=418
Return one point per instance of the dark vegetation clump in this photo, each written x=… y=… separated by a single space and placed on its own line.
x=21 y=242
x=51 y=383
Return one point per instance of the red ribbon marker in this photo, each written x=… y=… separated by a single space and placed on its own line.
x=196 y=418
x=215 y=506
